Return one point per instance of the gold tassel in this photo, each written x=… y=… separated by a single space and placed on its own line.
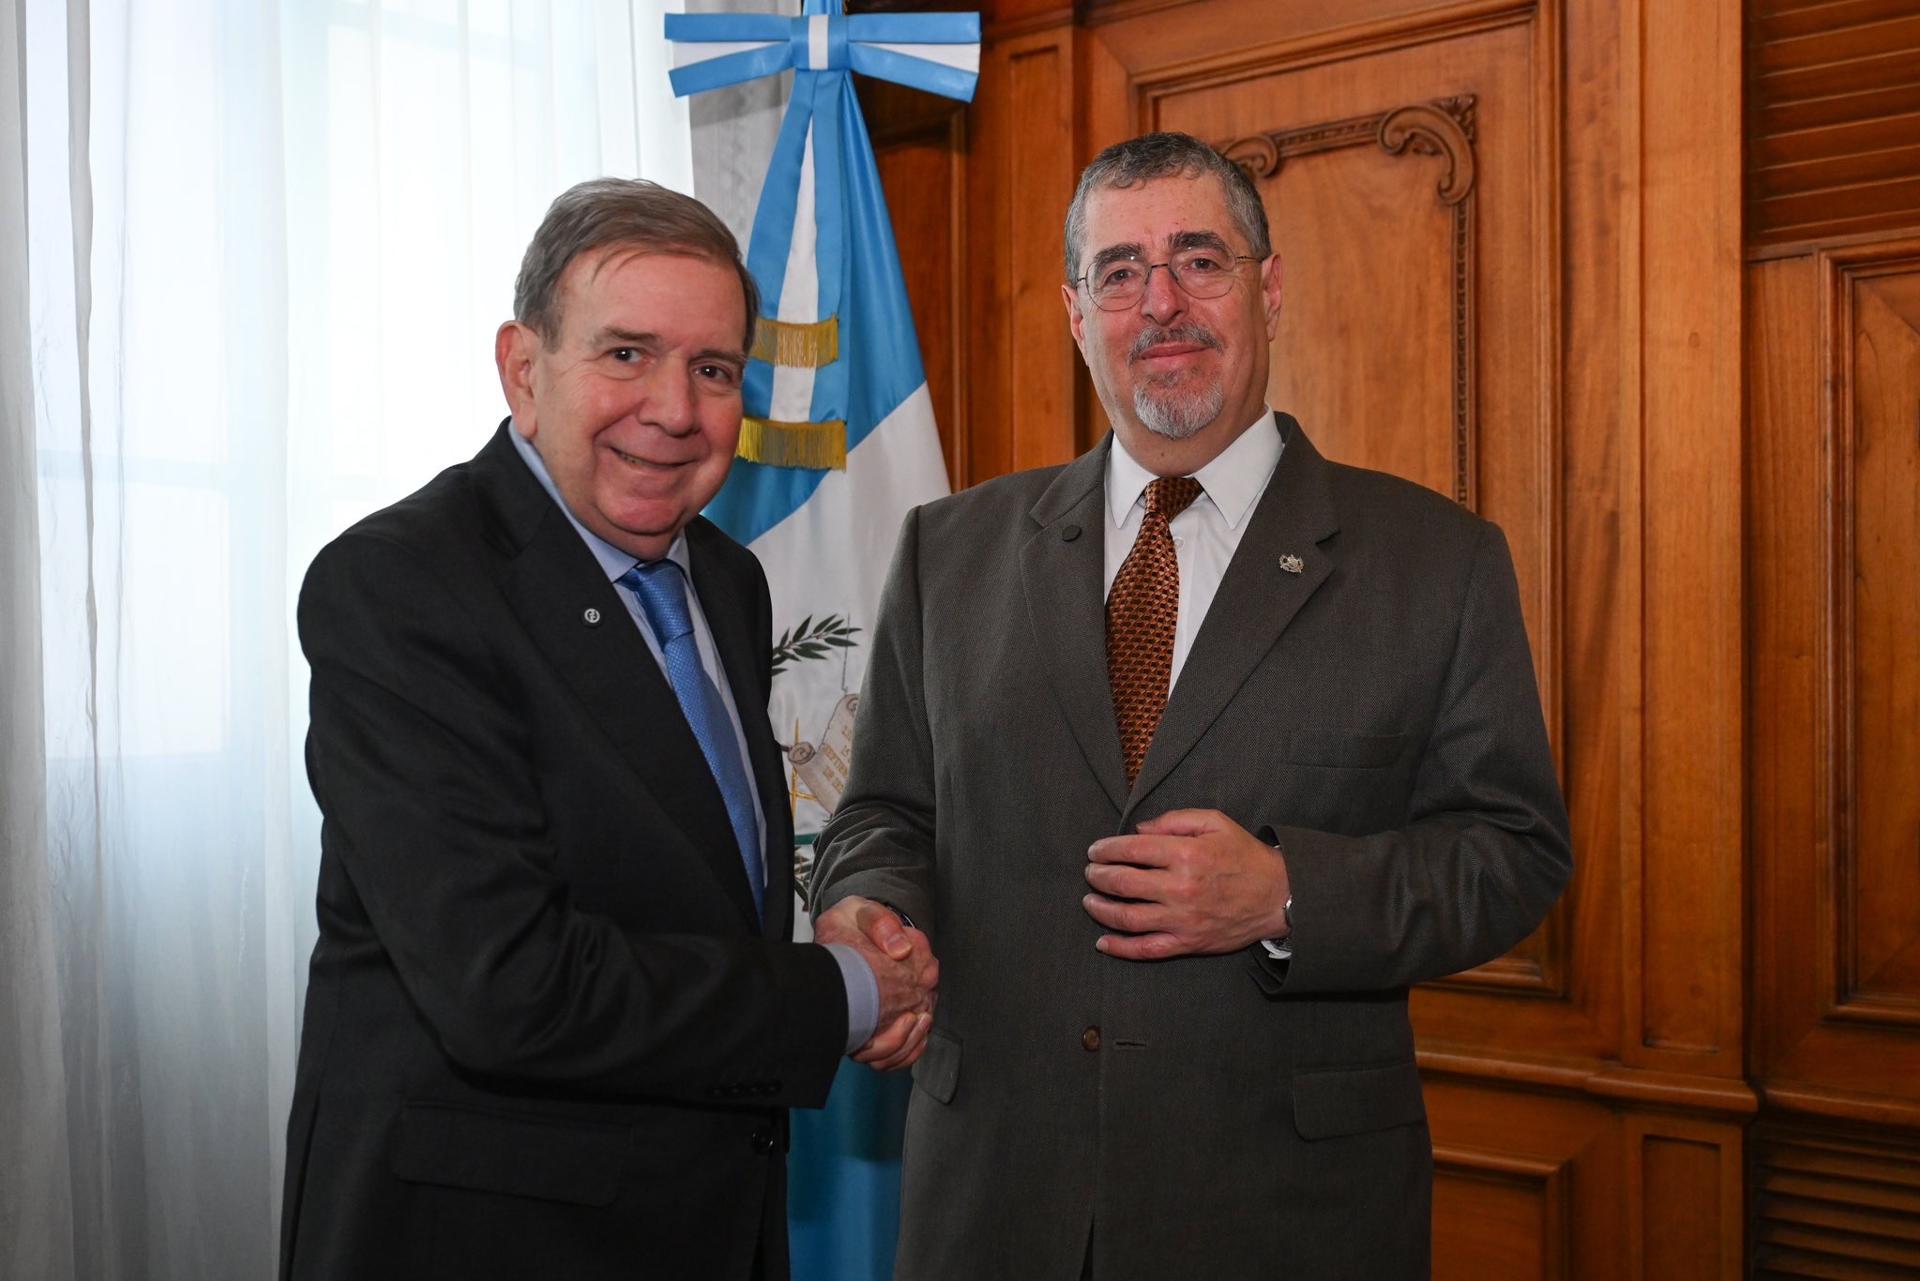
x=815 y=446
x=799 y=346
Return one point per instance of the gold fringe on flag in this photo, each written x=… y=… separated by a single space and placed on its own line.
x=797 y=345
x=817 y=446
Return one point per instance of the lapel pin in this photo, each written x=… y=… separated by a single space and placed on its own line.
x=1292 y=564
x=591 y=617
x=1069 y=532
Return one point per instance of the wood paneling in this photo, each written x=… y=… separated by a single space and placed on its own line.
x=1021 y=360
x=1684 y=1203
x=1833 y=564
x=1685 y=997
x=1524 y=1185
x=1828 y=1203
x=1833 y=133
x=1836 y=568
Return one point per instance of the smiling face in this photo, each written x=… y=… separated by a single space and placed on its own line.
x=635 y=406
x=1179 y=376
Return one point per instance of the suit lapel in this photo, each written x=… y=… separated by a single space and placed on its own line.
x=576 y=619
x=744 y=654
x=1258 y=597
x=1061 y=569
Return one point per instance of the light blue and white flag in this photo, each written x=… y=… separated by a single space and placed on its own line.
x=838 y=444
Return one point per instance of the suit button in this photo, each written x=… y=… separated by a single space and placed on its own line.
x=762 y=1141
x=1090 y=1039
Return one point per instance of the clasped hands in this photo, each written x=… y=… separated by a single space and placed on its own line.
x=1189 y=882
x=903 y=964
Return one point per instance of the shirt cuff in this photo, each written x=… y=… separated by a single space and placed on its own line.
x=863 y=994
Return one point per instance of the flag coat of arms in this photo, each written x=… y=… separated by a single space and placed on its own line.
x=837 y=445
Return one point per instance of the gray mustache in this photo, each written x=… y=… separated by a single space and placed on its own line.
x=1189 y=332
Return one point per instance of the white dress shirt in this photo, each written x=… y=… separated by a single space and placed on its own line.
x=1206 y=533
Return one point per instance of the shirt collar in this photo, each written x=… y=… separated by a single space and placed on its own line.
x=613 y=562
x=1233 y=480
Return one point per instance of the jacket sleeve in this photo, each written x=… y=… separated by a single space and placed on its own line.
x=1485 y=850
x=420 y=756
x=879 y=844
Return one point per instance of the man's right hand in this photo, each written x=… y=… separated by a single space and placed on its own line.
x=903 y=963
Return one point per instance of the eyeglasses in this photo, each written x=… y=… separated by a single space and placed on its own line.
x=1119 y=283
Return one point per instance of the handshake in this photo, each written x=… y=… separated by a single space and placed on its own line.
x=903 y=964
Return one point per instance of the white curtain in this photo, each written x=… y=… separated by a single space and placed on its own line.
x=251 y=260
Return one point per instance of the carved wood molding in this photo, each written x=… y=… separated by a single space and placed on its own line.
x=1443 y=128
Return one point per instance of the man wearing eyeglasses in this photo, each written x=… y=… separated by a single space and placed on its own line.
x=1189 y=757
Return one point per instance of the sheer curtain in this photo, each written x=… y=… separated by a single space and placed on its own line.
x=253 y=259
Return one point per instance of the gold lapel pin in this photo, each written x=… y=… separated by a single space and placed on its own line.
x=1292 y=564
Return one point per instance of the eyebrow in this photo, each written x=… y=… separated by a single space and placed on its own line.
x=625 y=337
x=1114 y=253
x=651 y=342
x=1180 y=242
x=1199 y=240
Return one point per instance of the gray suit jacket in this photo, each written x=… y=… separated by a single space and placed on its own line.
x=1208 y=1116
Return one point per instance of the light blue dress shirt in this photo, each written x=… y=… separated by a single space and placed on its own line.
x=863 y=990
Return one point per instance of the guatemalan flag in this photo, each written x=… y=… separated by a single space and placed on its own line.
x=838 y=443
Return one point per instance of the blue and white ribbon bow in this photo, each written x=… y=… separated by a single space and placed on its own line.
x=822 y=246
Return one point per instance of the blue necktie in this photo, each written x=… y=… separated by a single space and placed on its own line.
x=661 y=589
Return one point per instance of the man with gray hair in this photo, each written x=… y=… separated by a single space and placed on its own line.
x=1189 y=758
x=554 y=1020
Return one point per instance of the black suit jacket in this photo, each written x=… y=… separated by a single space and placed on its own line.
x=545 y=1035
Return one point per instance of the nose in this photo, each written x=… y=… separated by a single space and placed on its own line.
x=666 y=398
x=1160 y=298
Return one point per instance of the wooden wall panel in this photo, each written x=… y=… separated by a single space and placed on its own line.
x=1833 y=556
x=1524 y=1185
x=1833 y=118
x=1836 y=557
x=1686 y=997
x=1685 y=1198
x=1832 y=1203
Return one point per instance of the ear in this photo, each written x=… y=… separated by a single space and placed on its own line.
x=514 y=349
x=1270 y=292
x=1076 y=321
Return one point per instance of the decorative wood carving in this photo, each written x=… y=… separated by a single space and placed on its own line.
x=1443 y=128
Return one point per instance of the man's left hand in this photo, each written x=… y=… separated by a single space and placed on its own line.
x=1199 y=884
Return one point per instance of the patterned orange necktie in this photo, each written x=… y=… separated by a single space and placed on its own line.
x=1141 y=612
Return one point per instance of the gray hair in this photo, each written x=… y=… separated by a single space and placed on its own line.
x=625 y=212
x=1166 y=155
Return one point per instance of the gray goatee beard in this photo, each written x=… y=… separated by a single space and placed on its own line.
x=1178 y=412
